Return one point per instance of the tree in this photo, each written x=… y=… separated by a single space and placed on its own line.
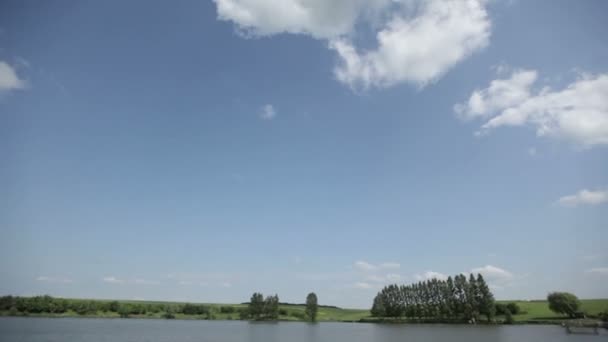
x=271 y=307
x=256 y=305
x=485 y=300
x=312 y=306
x=563 y=303
x=378 y=306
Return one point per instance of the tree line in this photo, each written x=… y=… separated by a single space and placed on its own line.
x=260 y=308
x=456 y=298
x=15 y=305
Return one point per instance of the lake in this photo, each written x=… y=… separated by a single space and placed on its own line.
x=149 y=330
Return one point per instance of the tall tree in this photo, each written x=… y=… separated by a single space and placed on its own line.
x=312 y=306
x=485 y=301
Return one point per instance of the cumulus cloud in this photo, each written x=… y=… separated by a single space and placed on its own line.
x=498 y=95
x=416 y=41
x=584 y=197
x=416 y=49
x=598 y=271
x=48 y=279
x=9 y=80
x=267 y=112
x=428 y=275
x=578 y=113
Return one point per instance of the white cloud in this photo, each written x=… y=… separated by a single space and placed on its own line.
x=367 y=267
x=499 y=95
x=54 y=279
x=428 y=275
x=493 y=274
x=268 y=112
x=9 y=80
x=584 y=197
x=598 y=270
x=112 y=280
x=416 y=49
x=577 y=113
x=388 y=278
x=417 y=41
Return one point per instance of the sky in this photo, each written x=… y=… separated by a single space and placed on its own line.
x=204 y=150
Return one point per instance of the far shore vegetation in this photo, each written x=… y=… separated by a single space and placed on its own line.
x=454 y=300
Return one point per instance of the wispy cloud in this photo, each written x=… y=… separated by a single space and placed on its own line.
x=48 y=279
x=598 y=271
x=367 y=267
x=363 y=285
x=268 y=112
x=112 y=280
x=9 y=80
x=584 y=197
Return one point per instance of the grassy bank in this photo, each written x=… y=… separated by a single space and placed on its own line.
x=532 y=312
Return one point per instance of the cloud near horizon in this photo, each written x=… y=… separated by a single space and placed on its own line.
x=416 y=41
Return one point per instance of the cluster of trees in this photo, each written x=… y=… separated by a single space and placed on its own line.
x=452 y=299
x=47 y=304
x=260 y=308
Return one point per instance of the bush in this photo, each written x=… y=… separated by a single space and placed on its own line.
x=604 y=315
x=168 y=315
x=508 y=317
x=227 y=309
x=283 y=312
x=513 y=308
x=563 y=303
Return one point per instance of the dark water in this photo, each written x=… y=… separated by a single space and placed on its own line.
x=116 y=330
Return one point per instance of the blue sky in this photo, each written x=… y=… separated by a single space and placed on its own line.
x=203 y=150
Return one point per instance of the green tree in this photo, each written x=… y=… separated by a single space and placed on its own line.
x=256 y=305
x=485 y=299
x=378 y=306
x=312 y=306
x=271 y=307
x=563 y=303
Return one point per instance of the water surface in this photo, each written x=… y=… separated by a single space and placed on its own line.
x=149 y=330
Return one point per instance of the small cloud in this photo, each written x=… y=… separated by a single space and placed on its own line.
x=584 y=197
x=598 y=271
x=9 y=80
x=268 y=112
x=428 y=275
x=54 y=279
x=532 y=151
x=362 y=285
x=364 y=266
x=112 y=280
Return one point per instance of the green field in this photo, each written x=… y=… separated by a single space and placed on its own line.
x=538 y=310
